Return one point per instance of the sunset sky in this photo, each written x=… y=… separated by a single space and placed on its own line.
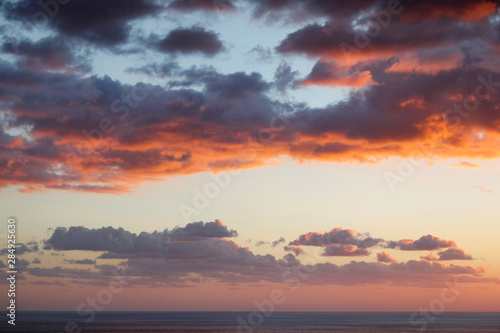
x=344 y=152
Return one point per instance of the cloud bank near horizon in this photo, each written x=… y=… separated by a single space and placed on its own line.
x=201 y=252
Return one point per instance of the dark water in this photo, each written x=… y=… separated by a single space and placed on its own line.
x=211 y=322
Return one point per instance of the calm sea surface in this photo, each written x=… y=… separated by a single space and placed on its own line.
x=211 y=322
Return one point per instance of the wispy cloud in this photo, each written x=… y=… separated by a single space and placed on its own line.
x=466 y=165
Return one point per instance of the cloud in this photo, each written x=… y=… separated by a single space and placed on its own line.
x=261 y=53
x=278 y=242
x=192 y=5
x=21 y=265
x=407 y=89
x=343 y=41
x=81 y=262
x=198 y=252
x=449 y=254
x=199 y=230
x=51 y=53
x=22 y=248
x=297 y=10
x=5 y=275
x=482 y=188
x=466 y=164
x=121 y=241
x=61 y=272
x=36 y=261
x=411 y=272
x=221 y=125
x=428 y=242
x=345 y=11
x=330 y=74
x=385 y=258
x=297 y=250
x=284 y=77
x=337 y=236
x=106 y=24
x=345 y=250
x=159 y=69
x=135 y=150
x=191 y=40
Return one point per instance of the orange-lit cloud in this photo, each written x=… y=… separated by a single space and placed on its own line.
x=423 y=86
x=385 y=257
x=466 y=164
x=449 y=254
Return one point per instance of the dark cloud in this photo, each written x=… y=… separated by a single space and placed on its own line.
x=128 y=120
x=60 y=272
x=278 y=242
x=51 y=53
x=191 y=40
x=208 y=5
x=329 y=74
x=21 y=265
x=36 y=261
x=22 y=248
x=399 y=12
x=121 y=241
x=410 y=273
x=106 y=136
x=122 y=139
x=284 y=77
x=297 y=250
x=337 y=236
x=345 y=250
x=428 y=243
x=104 y=23
x=341 y=42
x=238 y=265
x=449 y=254
x=81 y=262
x=198 y=230
x=163 y=69
x=299 y=10
x=197 y=252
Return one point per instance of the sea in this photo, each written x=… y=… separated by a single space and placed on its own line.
x=250 y=322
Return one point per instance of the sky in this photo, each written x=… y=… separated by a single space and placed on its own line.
x=194 y=155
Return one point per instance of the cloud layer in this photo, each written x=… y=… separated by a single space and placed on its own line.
x=422 y=79
x=200 y=252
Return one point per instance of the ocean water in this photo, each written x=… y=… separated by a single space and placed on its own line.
x=249 y=322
